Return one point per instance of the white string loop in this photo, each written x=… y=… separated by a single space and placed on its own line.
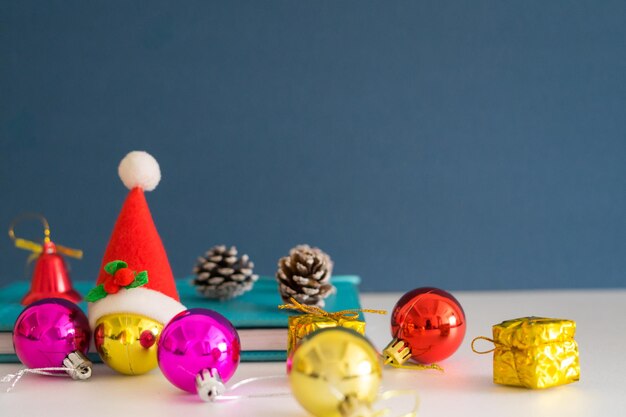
x=14 y=378
x=228 y=396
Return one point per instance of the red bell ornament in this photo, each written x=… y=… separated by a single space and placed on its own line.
x=50 y=277
x=427 y=325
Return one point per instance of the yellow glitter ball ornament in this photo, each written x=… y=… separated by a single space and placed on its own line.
x=128 y=342
x=335 y=372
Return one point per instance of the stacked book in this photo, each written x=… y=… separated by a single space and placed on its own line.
x=261 y=325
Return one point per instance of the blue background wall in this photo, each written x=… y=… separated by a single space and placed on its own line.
x=467 y=145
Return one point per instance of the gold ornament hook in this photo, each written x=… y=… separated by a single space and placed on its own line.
x=399 y=393
x=27 y=244
x=397 y=353
x=34 y=247
x=352 y=406
x=482 y=352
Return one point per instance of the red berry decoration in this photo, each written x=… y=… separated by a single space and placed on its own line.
x=428 y=326
x=110 y=286
x=119 y=276
x=124 y=277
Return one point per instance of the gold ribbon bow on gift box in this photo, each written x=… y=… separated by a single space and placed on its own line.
x=315 y=318
x=351 y=314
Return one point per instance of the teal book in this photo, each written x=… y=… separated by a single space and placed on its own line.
x=261 y=325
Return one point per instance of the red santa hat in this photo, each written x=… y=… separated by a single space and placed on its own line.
x=134 y=247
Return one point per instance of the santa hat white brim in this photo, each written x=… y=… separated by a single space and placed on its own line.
x=142 y=301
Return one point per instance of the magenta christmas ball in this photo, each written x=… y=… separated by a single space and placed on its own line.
x=195 y=344
x=47 y=331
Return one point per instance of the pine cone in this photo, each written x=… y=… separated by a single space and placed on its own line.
x=221 y=274
x=305 y=276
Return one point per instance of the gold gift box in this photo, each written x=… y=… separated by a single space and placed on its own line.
x=303 y=325
x=535 y=352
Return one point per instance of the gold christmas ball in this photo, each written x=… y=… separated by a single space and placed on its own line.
x=128 y=342
x=333 y=370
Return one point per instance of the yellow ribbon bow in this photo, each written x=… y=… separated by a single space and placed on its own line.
x=352 y=314
x=37 y=248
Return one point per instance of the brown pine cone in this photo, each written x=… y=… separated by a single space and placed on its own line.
x=221 y=274
x=305 y=275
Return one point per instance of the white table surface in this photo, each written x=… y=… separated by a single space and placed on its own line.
x=465 y=388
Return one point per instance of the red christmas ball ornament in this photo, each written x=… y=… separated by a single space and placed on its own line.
x=427 y=325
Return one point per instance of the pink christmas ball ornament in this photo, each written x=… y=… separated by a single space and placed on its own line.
x=199 y=351
x=53 y=333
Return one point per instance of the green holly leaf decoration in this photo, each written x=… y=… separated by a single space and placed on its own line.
x=96 y=294
x=140 y=279
x=112 y=267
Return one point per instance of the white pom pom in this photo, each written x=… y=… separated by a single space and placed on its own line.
x=139 y=169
